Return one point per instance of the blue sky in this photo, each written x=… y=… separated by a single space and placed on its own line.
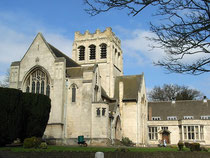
x=21 y=20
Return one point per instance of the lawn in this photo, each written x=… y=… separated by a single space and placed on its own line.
x=91 y=149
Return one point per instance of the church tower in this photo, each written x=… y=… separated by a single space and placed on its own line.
x=104 y=49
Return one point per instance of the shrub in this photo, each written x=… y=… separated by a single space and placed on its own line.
x=32 y=142
x=43 y=145
x=180 y=145
x=187 y=145
x=195 y=147
x=127 y=142
x=122 y=150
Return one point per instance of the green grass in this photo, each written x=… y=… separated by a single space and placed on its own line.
x=89 y=149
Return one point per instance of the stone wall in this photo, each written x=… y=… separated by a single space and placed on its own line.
x=8 y=154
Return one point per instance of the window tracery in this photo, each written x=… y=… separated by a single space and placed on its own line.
x=38 y=82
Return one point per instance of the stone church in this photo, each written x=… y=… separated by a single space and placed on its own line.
x=90 y=96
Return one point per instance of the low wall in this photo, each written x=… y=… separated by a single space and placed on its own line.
x=8 y=154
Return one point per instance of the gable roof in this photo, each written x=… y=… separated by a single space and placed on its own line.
x=77 y=72
x=58 y=53
x=180 y=109
x=131 y=86
x=55 y=52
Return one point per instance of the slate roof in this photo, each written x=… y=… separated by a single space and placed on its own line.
x=131 y=86
x=77 y=72
x=15 y=63
x=58 y=53
x=103 y=93
x=112 y=107
x=180 y=109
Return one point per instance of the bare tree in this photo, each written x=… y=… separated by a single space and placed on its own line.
x=5 y=82
x=168 y=92
x=185 y=30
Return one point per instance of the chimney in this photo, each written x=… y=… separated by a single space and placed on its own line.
x=150 y=113
x=173 y=100
x=204 y=99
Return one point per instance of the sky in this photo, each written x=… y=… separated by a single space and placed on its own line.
x=21 y=20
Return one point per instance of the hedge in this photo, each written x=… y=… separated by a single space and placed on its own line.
x=22 y=115
x=11 y=112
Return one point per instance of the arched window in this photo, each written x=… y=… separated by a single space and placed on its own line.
x=103 y=50
x=92 y=52
x=38 y=82
x=116 y=57
x=73 y=94
x=81 y=52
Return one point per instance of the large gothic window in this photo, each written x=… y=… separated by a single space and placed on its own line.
x=103 y=50
x=92 y=52
x=81 y=52
x=38 y=82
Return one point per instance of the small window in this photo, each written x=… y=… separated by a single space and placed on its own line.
x=171 y=118
x=103 y=111
x=98 y=112
x=103 y=50
x=188 y=117
x=156 y=118
x=164 y=128
x=81 y=53
x=73 y=94
x=92 y=52
x=205 y=117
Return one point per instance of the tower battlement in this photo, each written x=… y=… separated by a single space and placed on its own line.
x=107 y=33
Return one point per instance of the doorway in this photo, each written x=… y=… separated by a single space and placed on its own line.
x=166 y=136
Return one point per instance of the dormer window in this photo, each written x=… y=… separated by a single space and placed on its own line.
x=156 y=118
x=103 y=50
x=171 y=118
x=205 y=117
x=81 y=52
x=188 y=117
x=92 y=52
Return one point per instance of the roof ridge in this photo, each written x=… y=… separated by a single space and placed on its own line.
x=62 y=54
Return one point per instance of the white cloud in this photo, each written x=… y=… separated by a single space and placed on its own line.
x=14 y=41
x=139 y=48
x=136 y=46
x=61 y=42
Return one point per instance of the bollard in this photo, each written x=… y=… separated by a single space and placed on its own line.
x=99 y=155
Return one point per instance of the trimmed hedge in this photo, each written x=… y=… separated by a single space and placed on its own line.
x=36 y=114
x=11 y=109
x=22 y=115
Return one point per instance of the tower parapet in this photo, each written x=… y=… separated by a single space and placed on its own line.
x=107 y=33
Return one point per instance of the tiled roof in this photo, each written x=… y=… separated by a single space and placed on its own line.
x=131 y=86
x=195 y=108
x=58 y=53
